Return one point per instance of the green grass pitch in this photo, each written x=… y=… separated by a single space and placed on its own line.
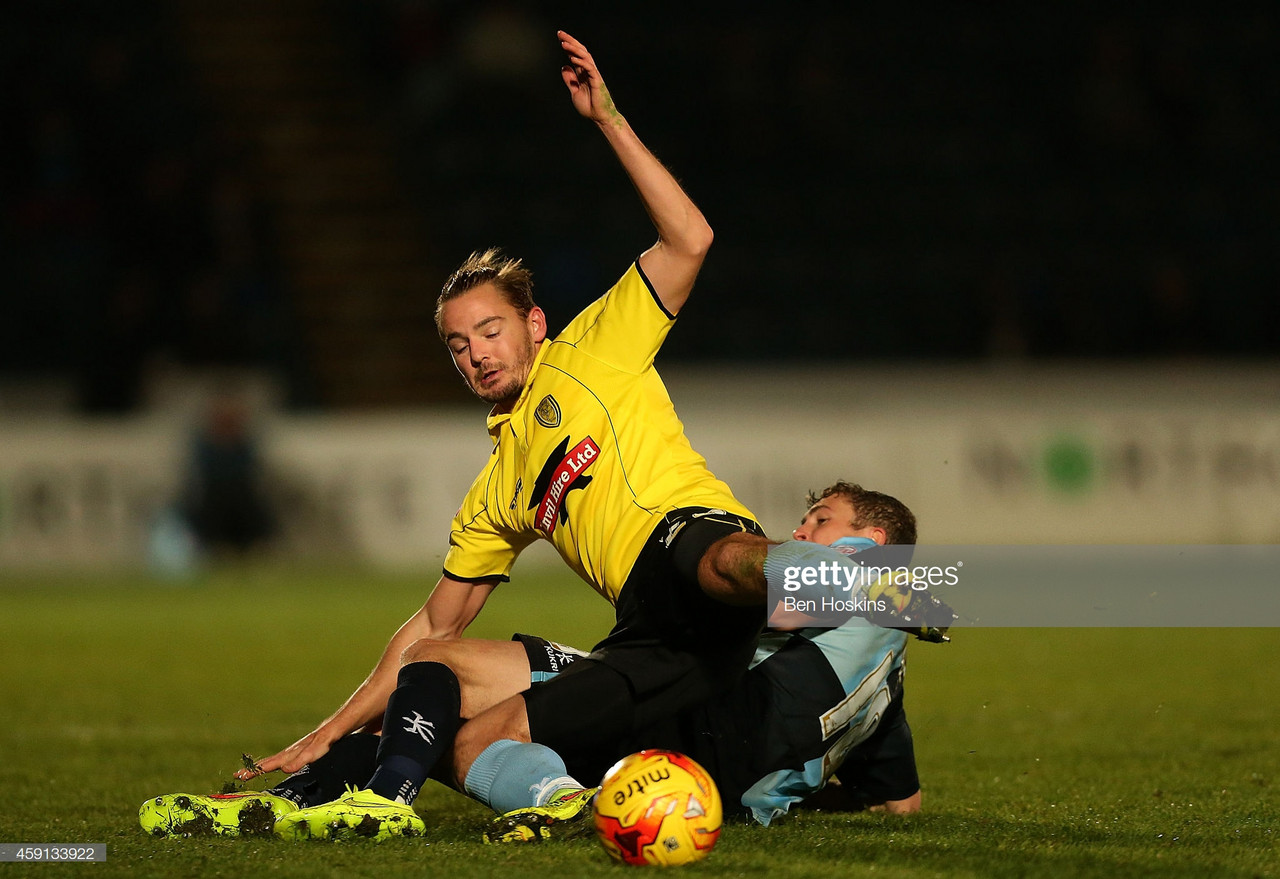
x=1042 y=752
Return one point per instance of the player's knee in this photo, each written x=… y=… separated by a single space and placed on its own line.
x=428 y=650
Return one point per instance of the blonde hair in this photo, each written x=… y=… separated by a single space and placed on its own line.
x=512 y=279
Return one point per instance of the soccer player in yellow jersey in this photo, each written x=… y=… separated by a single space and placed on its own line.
x=590 y=455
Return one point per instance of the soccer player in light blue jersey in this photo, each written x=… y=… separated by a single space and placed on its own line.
x=817 y=704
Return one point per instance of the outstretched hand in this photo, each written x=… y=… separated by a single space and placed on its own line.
x=306 y=750
x=671 y=264
x=586 y=86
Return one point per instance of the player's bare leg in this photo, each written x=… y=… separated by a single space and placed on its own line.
x=487 y=671
x=528 y=784
x=505 y=721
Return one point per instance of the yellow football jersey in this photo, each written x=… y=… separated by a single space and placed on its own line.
x=592 y=456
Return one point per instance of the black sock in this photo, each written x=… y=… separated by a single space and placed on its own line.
x=421 y=721
x=350 y=760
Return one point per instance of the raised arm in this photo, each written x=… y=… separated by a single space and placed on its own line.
x=684 y=236
x=449 y=609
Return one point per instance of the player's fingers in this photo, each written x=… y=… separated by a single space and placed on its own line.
x=578 y=54
x=568 y=42
x=583 y=69
x=247 y=772
x=268 y=764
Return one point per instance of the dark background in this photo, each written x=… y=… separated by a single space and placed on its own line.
x=925 y=183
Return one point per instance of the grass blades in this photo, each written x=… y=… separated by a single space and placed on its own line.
x=1051 y=752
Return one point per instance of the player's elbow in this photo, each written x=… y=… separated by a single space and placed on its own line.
x=700 y=238
x=731 y=570
x=692 y=241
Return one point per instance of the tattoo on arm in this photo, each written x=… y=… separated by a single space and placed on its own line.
x=746 y=565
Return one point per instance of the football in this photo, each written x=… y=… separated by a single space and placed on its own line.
x=657 y=807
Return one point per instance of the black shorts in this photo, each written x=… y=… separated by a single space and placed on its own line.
x=767 y=724
x=671 y=648
x=547 y=658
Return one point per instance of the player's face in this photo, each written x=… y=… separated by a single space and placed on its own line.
x=832 y=518
x=492 y=345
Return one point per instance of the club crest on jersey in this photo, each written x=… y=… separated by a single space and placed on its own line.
x=564 y=471
x=548 y=412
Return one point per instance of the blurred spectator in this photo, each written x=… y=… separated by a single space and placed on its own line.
x=225 y=500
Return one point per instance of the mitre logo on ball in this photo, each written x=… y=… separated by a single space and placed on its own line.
x=659 y=808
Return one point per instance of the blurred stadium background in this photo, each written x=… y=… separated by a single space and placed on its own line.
x=1017 y=268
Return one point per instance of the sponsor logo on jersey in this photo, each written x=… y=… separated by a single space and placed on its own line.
x=564 y=471
x=548 y=412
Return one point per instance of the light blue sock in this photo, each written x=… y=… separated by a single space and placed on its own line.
x=511 y=775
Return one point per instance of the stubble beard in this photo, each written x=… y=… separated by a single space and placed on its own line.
x=502 y=394
x=507 y=393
